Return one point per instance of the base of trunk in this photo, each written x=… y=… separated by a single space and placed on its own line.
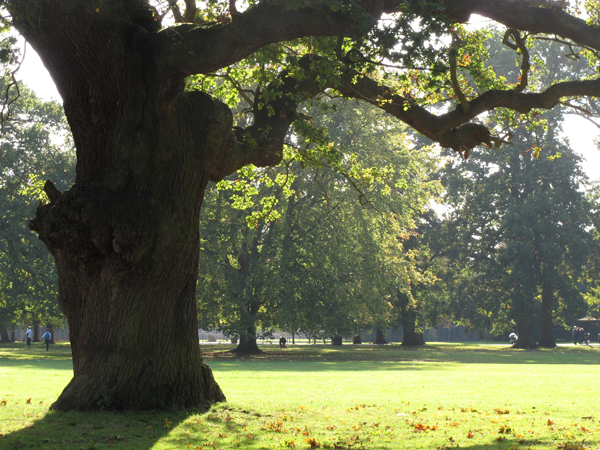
x=4 y=336
x=84 y=394
x=357 y=340
x=336 y=341
x=380 y=337
x=525 y=338
x=247 y=347
x=413 y=339
x=544 y=343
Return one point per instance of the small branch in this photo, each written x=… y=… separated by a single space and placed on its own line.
x=190 y=11
x=589 y=119
x=51 y=191
x=519 y=45
x=176 y=11
x=578 y=108
x=455 y=86
x=572 y=56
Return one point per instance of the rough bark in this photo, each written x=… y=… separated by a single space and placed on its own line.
x=525 y=338
x=380 y=337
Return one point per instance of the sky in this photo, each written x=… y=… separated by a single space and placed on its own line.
x=579 y=131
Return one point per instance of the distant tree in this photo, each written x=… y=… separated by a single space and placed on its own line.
x=591 y=276
x=519 y=218
x=327 y=265
x=35 y=144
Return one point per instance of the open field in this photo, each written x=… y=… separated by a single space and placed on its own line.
x=478 y=396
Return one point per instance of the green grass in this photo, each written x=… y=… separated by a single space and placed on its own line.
x=478 y=396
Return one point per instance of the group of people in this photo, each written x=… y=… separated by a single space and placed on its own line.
x=580 y=336
x=47 y=337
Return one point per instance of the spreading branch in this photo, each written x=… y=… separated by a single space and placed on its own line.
x=262 y=144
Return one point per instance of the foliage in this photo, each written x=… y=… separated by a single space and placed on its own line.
x=517 y=223
x=337 y=276
x=35 y=145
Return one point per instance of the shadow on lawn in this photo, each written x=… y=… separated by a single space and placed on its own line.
x=141 y=430
x=93 y=430
x=218 y=427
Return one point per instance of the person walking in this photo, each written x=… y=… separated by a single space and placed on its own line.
x=29 y=335
x=47 y=338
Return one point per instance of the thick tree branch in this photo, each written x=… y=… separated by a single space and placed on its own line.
x=275 y=109
x=534 y=16
x=188 y=49
x=262 y=143
x=452 y=129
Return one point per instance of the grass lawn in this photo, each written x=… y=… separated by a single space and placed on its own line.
x=478 y=396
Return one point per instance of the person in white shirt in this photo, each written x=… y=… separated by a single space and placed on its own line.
x=29 y=335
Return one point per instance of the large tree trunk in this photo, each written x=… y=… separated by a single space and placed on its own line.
x=525 y=338
x=125 y=236
x=12 y=335
x=380 y=337
x=4 y=336
x=547 y=336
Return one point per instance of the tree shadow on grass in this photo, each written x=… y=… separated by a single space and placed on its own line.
x=222 y=426
x=219 y=426
x=95 y=430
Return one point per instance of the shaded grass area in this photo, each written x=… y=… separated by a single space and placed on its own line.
x=479 y=396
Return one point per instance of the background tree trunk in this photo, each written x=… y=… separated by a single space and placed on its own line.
x=525 y=337
x=4 y=336
x=248 y=344
x=51 y=328
x=380 y=337
x=411 y=338
x=547 y=336
x=13 y=335
x=357 y=340
x=337 y=340
x=36 y=333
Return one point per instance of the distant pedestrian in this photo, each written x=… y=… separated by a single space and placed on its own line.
x=574 y=334
x=282 y=342
x=29 y=335
x=47 y=338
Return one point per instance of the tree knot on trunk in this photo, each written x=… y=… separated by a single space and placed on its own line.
x=93 y=223
x=466 y=137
